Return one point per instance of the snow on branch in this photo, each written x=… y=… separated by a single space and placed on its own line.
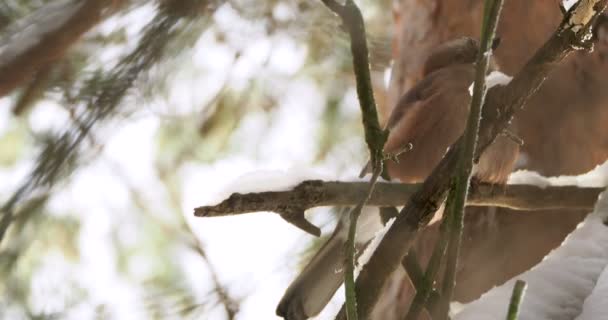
x=594 y=306
x=290 y=199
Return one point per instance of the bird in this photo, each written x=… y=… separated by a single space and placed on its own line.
x=426 y=121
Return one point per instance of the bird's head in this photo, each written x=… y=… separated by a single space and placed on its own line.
x=454 y=52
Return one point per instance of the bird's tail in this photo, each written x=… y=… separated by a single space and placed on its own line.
x=317 y=283
x=321 y=278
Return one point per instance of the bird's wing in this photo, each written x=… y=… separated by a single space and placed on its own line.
x=420 y=92
x=405 y=108
x=431 y=123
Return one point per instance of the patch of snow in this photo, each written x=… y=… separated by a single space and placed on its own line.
x=369 y=250
x=269 y=180
x=493 y=79
x=598 y=177
x=568 y=4
x=529 y=177
x=497 y=78
x=595 y=304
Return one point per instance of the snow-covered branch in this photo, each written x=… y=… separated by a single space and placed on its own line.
x=317 y=193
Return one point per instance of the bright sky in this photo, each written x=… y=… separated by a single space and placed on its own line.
x=257 y=255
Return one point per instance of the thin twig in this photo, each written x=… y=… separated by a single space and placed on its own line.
x=516 y=297
x=351 y=17
x=423 y=292
x=426 y=294
x=492 y=10
x=375 y=137
x=349 y=276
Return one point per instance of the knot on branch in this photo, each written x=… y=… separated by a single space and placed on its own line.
x=289 y=204
x=293 y=211
x=310 y=188
x=295 y=216
x=426 y=205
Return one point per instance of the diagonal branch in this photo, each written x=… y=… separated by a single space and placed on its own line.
x=352 y=19
x=458 y=196
x=423 y=281
x=375 y=137
x=37 y=40
x=349 y=274
x=426 y=288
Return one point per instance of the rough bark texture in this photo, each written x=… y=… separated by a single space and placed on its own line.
x=317 y=193
x=562 y=126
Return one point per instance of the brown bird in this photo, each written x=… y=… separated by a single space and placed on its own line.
x=429 y=118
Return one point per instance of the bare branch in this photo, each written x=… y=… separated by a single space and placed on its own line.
x=457 y=198
x=316 y=193
x=423 y=292
x=352 y=19
x=349 y=275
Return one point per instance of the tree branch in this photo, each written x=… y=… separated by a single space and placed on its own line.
x=423 y=281
x=375 y=137
x=458 y=196
x=44 y=36
x=516 y=297
x=349 y=274
x=316 y=193
x=423 y=292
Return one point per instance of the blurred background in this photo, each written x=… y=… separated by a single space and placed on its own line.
x=153 y=109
